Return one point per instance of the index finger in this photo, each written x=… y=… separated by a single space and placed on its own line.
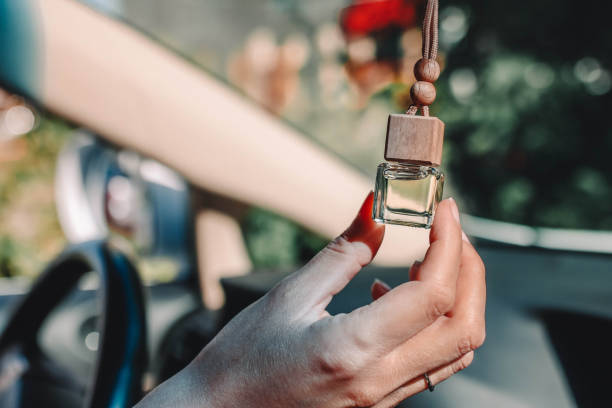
x=412 y=306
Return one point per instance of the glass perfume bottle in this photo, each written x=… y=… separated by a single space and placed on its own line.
x=409 y=185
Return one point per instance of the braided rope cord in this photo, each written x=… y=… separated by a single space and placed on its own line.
x=430 y=44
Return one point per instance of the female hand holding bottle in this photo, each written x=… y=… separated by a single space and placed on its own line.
x=285 y=350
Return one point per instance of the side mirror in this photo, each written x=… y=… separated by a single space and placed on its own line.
x=104 y=192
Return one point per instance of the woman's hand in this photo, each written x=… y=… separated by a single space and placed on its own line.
x=285 y=350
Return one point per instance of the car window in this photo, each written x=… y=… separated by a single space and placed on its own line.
x=61 y=185
x=524 y=100
x=30 y=233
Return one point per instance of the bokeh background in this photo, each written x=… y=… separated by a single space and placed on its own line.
x=524 y=92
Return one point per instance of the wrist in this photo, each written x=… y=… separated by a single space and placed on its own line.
x=187 y=388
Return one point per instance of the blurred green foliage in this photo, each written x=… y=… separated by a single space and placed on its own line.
x=531 y=144
x=275 y=242
x=30 y=234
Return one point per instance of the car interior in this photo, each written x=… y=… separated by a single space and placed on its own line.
x=165 y=158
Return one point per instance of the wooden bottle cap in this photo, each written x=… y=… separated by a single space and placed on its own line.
x=414 y=139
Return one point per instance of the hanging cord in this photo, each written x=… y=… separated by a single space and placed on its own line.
x=430 y=31
x=426 y=70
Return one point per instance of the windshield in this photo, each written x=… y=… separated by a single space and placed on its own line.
x=525 y=139
x=524 y=100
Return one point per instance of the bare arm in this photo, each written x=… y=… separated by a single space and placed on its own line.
x=137 y=94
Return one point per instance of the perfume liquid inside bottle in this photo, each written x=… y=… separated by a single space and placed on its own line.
x=407 y=194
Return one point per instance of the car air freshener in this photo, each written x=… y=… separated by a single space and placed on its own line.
x=409 y=185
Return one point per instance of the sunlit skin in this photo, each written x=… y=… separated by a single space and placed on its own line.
x=285 y=350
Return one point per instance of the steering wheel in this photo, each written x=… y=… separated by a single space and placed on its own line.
x=28 y=378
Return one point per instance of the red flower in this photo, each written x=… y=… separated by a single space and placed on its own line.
x=366 y=16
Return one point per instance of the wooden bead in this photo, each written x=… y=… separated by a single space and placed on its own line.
x=427 y=70
x=423 y=93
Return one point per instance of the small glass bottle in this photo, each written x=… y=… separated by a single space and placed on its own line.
x=409 y=186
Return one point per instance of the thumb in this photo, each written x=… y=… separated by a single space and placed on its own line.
x=331 y=269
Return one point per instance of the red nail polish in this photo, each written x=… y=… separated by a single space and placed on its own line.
x=364 y=229
x=379 y=288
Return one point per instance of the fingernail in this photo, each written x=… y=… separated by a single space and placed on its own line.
x=455 y=210
x=364 y=229
x=365 y=212
x=363 y=222
x=465 y=237
x=379 y=289
x=381 y=283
